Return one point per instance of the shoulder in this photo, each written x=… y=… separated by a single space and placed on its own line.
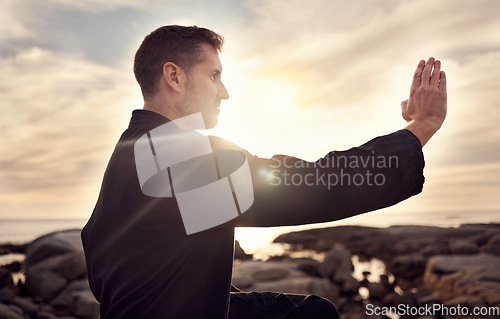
x=219 y=143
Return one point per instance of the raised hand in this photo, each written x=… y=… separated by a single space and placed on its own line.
x=425 y=110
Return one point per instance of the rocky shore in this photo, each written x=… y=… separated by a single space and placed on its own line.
x=359 y=268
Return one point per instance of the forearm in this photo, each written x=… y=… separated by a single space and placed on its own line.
x=377 y=174
x=423 y=130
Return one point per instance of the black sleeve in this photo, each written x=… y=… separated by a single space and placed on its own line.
x=289 y=191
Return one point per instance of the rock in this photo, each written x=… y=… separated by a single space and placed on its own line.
x=408 y=298
x=10 y=312
x=492 y=246
x=239 y=253
x=300 y=285
x=8 y=294
x=408 y=266
x=463 y=247
x=53 y=261
x=14 y=266
x=282 y=257
x=337 y=265
x=435 y=249
x=46 y=285
x=308 y=266
x=350 y=286
x=281 y=277
x=242 y=281
x=271 y=274
x=45 y=315
x=86 y=305
x=12 y=249
x=423 y=298
x=72 y=266
x=392 y=299
x=5 y=278
x=27 y=305
x=377 y=290
x=249 y=272
x=324 y=288
x=53 y=244
x=468 y=301
x=65 y=299
x=465 y=275
x=247 y=268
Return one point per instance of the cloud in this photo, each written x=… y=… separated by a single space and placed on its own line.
x=60 y=115
x=11 y=27
x=306 y=77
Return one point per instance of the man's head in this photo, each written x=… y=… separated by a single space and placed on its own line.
x=179 y=67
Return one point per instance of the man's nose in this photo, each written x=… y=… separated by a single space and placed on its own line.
x=223 y=92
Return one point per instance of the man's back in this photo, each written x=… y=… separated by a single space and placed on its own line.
x=138 y=252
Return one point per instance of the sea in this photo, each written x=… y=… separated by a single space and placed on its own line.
x=19 y=231
x=259 y=241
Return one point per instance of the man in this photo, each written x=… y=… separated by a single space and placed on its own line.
x=141 y=262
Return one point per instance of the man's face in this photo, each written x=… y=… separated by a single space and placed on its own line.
x=204 y=88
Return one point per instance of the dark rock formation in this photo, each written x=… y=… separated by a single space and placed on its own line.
x=56 y=283
x=239 y=253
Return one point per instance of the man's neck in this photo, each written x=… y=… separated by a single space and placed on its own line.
x=169 y=111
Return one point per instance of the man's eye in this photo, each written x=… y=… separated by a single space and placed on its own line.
x=213 y=76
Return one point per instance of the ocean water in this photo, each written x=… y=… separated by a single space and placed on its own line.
x=252 y=239
x=20 y=231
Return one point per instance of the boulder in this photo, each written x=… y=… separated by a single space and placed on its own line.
x=463 y=247
x=11 y=312
x=308 y=266
x=65 y=299
x=492 y=246
x=271 y=274
x=408 y=266
x=377 y=290
x=239 y=253
x=468 y=301
x=86 y=305
x=465 y=275
x=14 y=266
x=324 y=288
x=5 y=278
x=243 y=281
x=72 y=266
x=300 y=285
x=337 y=265
x=53 y=244
x=53 y=261
x=46 y=315
x=8 y=294
x=27 y=305
x=45 y=284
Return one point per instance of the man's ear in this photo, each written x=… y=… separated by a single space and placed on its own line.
x=173 y=75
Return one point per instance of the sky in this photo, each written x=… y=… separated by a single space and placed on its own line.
x=304 y=78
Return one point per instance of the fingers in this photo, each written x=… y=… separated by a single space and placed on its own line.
x=404 y=112
x=416 y=76
x=426 y=73
x=435 y=73
x=442 y=81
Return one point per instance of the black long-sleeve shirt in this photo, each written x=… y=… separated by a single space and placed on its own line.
x=141 y=263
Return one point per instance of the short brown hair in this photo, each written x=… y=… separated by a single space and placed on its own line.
x=172 y=43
